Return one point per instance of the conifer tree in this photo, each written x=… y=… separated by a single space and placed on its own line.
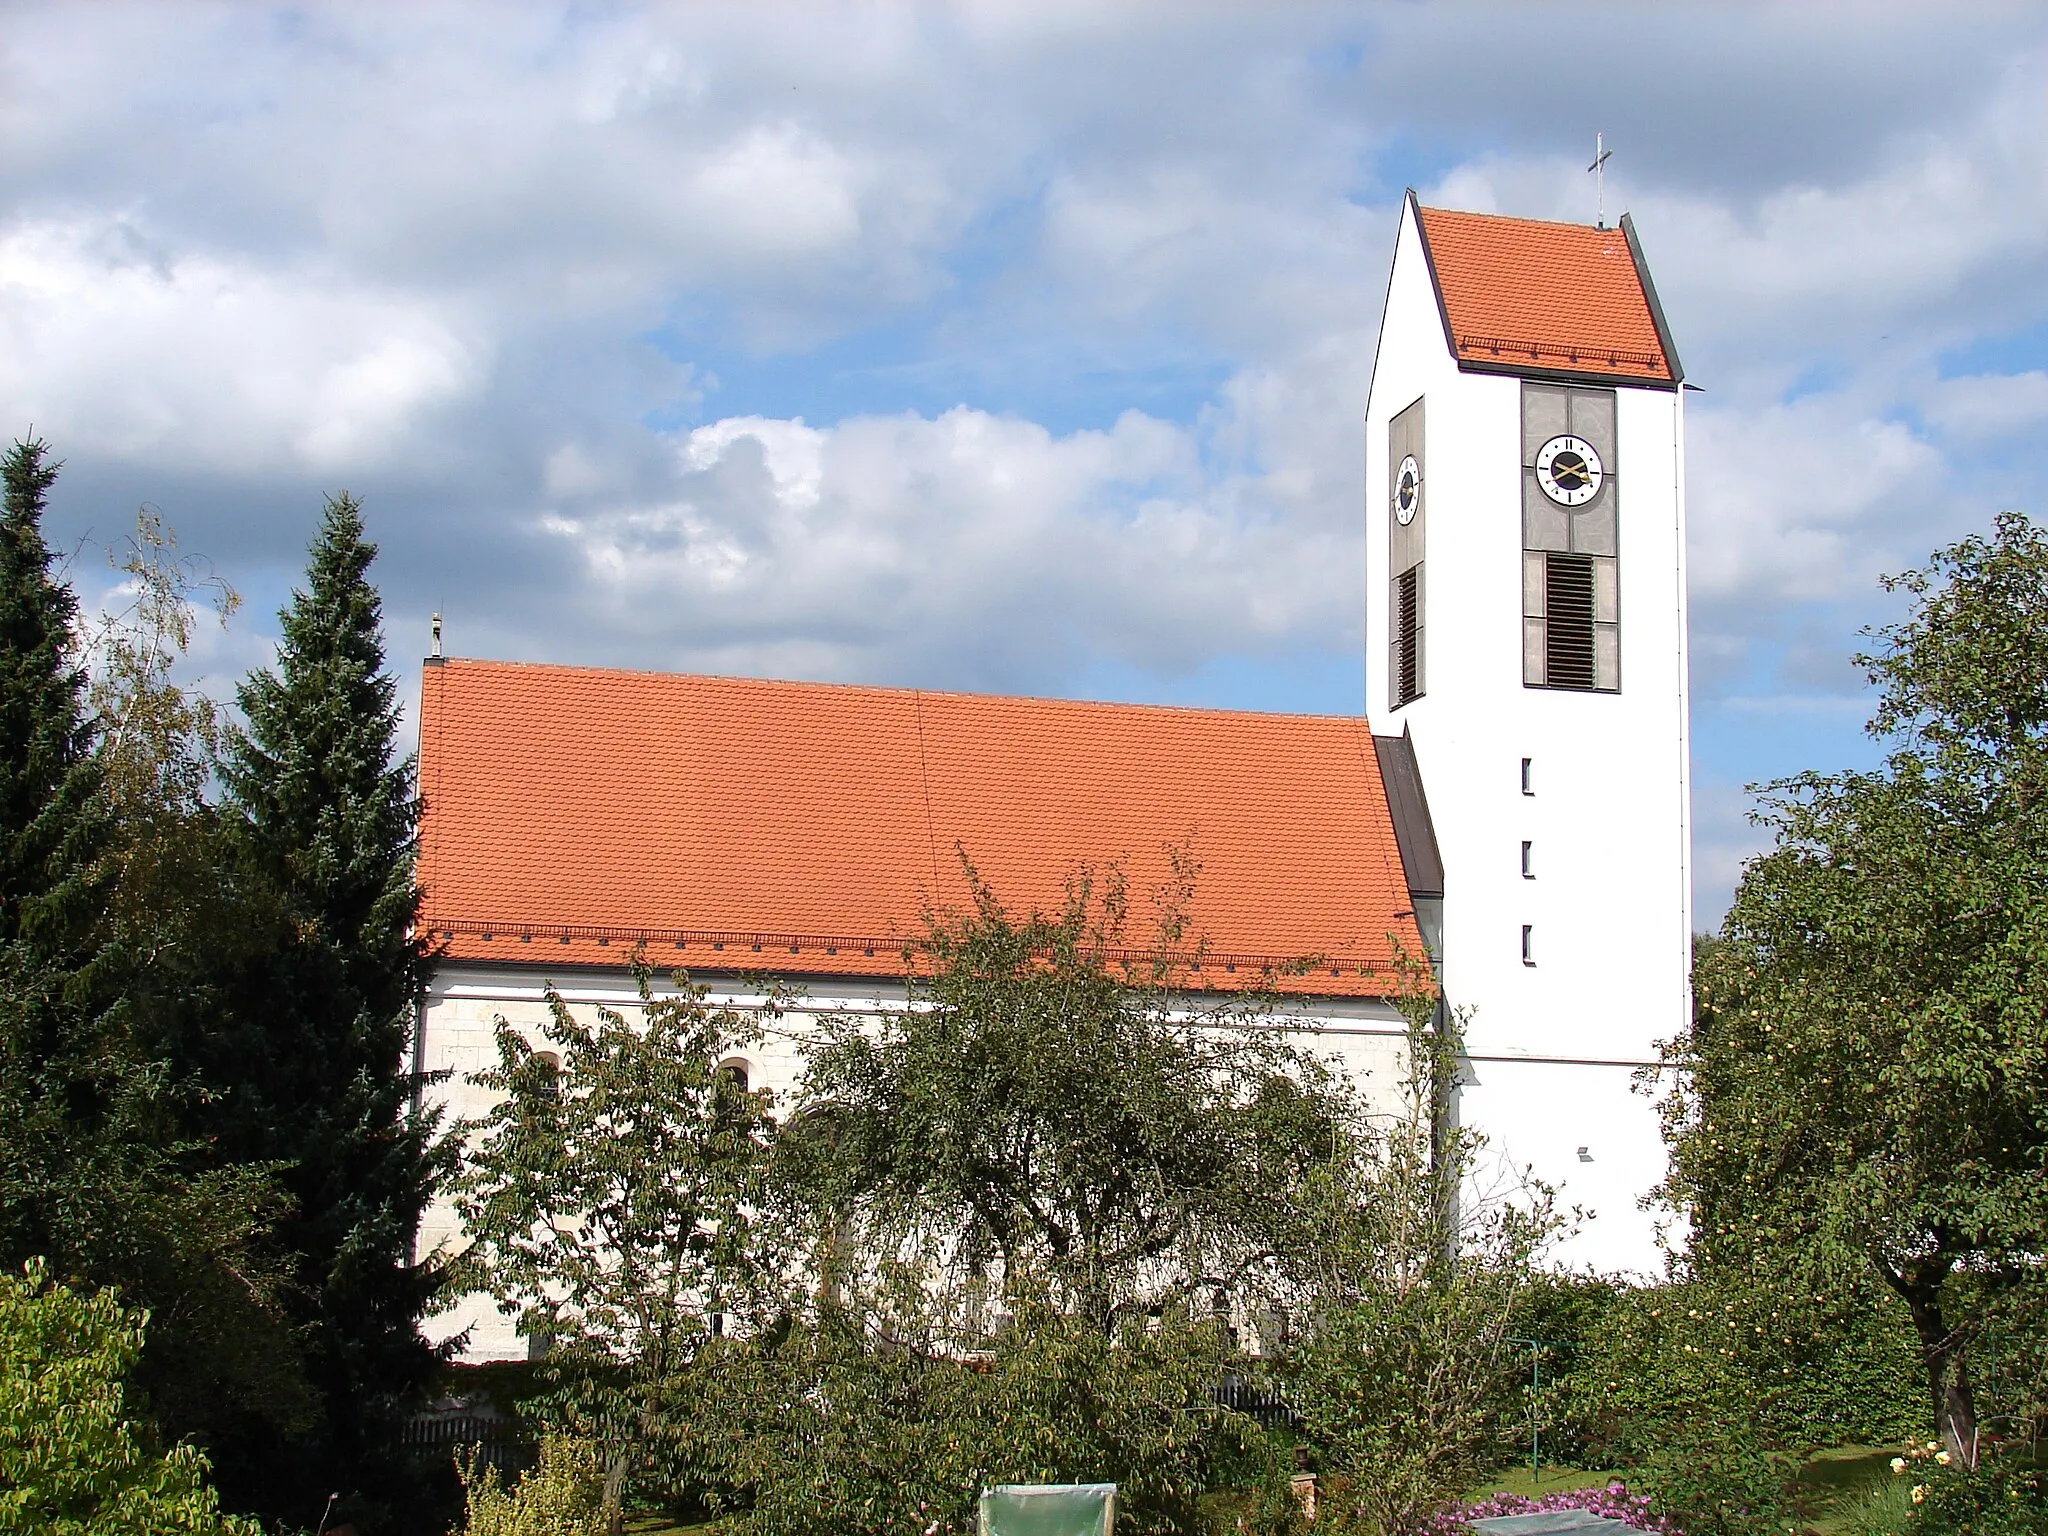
x=52 y=832
x=60 y=1082
x=327 y=819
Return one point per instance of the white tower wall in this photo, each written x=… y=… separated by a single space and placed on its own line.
x=1554 y=1045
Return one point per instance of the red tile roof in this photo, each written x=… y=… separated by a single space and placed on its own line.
x=804 y=827
x=1560 y=298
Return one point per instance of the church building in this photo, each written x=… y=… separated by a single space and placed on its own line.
x=1513 y=803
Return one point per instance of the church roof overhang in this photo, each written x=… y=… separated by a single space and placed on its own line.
x=573 y=816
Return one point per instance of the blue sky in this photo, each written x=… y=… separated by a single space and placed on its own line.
x=998 y=346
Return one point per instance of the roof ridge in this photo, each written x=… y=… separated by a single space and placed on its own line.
x=1521 y=218
x=906 y=693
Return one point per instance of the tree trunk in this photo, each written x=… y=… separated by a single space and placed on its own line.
x=615 y=1493
x=1944 y=1352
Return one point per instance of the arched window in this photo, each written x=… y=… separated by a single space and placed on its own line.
x=734 y=1074
x=545 y=1069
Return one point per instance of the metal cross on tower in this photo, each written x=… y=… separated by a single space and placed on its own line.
x=1600 y=154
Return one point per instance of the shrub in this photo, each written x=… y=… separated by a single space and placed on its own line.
x=823 y=1428
x=1401 y=1391
x=72 y=1463
x=1700 y=1390
x=2001 y=1496
x=562 y=1496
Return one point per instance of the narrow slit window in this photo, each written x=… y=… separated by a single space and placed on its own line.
x=1528 y=862
x=1528 y=776
x=1528 y=944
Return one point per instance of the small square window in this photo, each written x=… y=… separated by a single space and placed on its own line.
x=1528 y=944
x=1528 y=864
x=1528 y=776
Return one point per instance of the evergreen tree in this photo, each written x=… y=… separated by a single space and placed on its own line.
x=327 y=820
x=103 y=1170
x=53 y=829
x=60 y=1076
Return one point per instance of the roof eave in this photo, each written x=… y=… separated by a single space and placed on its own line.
x=1387 y=989
x=1565 y=375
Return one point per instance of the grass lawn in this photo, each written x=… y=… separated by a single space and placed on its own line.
x=1825 y=1477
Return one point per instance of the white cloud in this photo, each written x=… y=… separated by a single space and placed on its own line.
x=1984 y=406
x=1805 y=501
x=777 y=189
x=110 y=345
x=963 y=546
x=434 y=243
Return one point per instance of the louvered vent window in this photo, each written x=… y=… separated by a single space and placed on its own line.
x=1407 y=636
x=1568 y=606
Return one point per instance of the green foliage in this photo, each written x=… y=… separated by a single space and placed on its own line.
x=311 y=1074
x=1793 y=1368
x=67 y=1079
x=1407 y=1380
x=610 y=1197
x=101 y=1166
x=72 y=1463
x=157 y=741
x=1863 y=1084
x=187 y=920
x=54 y=823
x=821 y=1428
x=562 y=1496
x=1043 y=1108
x=1711 y=1391
x=1998 y=1497
x=1687 y=1387
x=974 y=1254
x=1556 y=1320
x=1402 y=1390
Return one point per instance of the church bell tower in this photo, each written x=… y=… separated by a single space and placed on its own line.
x=1525 y=536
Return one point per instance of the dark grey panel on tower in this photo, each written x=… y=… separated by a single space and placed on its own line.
x=1407 y=534
x=1571 y=538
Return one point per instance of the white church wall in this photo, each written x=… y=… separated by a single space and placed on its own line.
x=1606 y=900
x=1363 y=1038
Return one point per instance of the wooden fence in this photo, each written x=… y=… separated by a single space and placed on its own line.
x=496 y=1441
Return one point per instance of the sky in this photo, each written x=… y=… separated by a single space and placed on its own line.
x=1012 y=347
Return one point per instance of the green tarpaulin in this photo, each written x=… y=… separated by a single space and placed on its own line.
x=1048 y=1509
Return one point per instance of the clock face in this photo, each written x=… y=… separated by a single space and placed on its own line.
x=1407 y=491
x=1569 y=471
